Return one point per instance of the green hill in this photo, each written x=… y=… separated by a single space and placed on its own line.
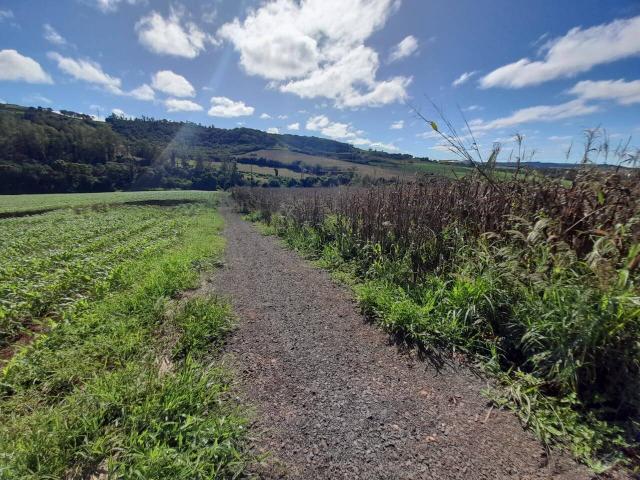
x=45 y=151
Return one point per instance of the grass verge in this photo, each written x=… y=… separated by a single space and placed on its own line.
x=104 y=393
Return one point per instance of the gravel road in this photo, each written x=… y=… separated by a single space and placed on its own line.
x=334 y=398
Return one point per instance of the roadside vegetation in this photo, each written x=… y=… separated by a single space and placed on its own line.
x=121 y=378
x=536 y=281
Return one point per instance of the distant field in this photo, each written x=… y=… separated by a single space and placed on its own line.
x=435 y=168
x=287 y=156
x=267 y=171
x=26 y=203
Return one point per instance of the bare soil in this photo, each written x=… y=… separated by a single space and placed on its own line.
x=335 y=398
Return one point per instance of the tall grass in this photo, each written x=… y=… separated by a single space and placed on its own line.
x=537 y=281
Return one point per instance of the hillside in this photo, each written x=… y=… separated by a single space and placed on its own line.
x=45 y=151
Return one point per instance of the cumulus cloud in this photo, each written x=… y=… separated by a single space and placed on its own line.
x=407 y=47
x=273 y=130
x=339 y=81
x=265 y=116
x=462 y=79
x=87 y=71
x=538 y=113
x=399 y=125
x=621 y=91
x=576 y=52
x=17 y=67
x=344 y=132
x=171 y=35
x=225 y=107
x=143 y=92
x=293 y=126
x=173 y=84
x=316 y=49
x=51 y=35
x=177 y=105
x=119 y=113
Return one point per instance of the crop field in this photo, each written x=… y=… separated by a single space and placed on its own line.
x=85 y=290
x=49 y=262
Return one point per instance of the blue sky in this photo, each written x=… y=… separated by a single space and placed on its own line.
x=348 y=70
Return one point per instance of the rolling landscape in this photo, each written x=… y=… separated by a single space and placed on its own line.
x=294 y=259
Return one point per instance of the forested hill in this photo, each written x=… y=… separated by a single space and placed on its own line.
x=46 y=151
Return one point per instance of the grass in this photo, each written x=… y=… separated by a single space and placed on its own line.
x=552 y=314
x=127 y=383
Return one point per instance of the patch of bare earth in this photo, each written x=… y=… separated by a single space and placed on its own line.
x=334 y=398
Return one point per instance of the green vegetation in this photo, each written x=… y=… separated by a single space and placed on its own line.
x=123 y=381
x=537 y=282
x=60 y=152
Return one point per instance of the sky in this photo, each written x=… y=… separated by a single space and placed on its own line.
x=351 y=70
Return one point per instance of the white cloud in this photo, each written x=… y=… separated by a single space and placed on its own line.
x=265 y=116
x=338 y=81
x=143 y=92
x=108 y=6
x=576 y=52
x=560 y=138
x=52 y=36
x=283 y=117
x=210 y=15
x=119 y=113
x=17 y=67
x=316 y=49
x=624 y=93
x=463 y=78
x=87 y=71
x=176 y=105
x=273 y=130
x=472 y=108
x=399 y=125
x=539 y=113
x=225 y=107
x=5 y=14
x=293 y=126
x=171 y=36
x=173 y=84
x=408 y=46
x=344 y=132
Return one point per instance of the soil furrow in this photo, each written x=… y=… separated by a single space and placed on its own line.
x=334 y=398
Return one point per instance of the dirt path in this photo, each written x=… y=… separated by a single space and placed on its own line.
x=334 y=399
